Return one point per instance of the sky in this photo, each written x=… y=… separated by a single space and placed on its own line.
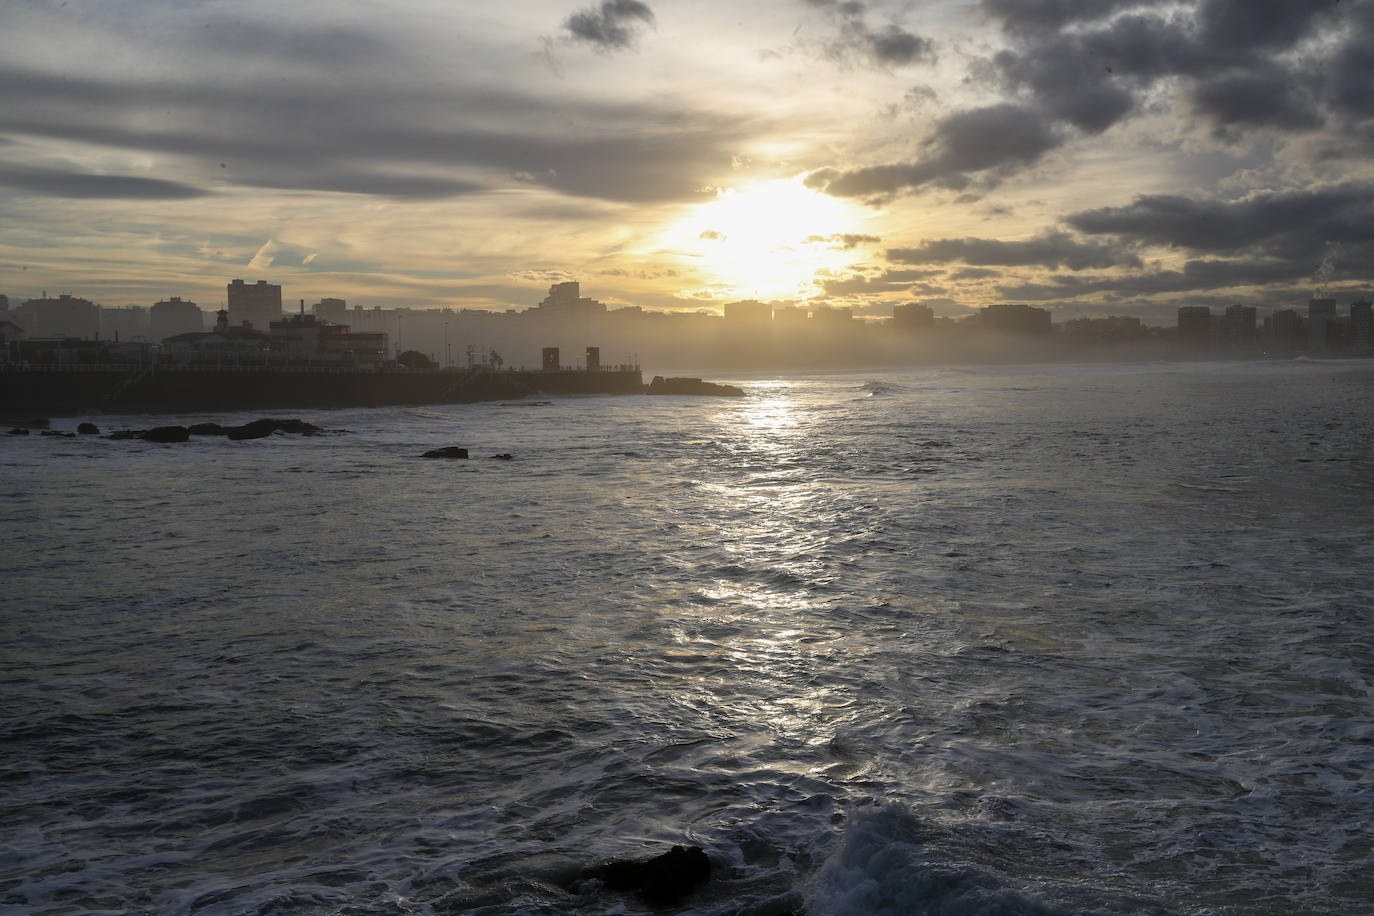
x=1093 y=157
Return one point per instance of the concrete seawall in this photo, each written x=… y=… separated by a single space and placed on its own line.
x=117 y=389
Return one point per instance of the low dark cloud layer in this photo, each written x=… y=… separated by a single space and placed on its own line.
x=979 y=140
x=1050 y=250
x=388 y=141
x=612 y=26
x=83 y=185
x=1294 y=225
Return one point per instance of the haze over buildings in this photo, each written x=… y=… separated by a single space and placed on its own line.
x=1092 y=159
x=565 y=324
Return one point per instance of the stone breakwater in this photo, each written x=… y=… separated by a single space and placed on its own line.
x=167 y=390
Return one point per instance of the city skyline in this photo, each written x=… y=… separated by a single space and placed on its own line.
x=1112 y=158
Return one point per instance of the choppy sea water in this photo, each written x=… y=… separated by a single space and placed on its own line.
x=1014 y=640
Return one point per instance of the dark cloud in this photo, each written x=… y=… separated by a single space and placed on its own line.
x=1052 y=250
x=893 y=46
x=1292 y=225
x=975 y=273
x=1079 y=67
x=964 y=143
x=885 y=282
x=1021 y=16
x=1257 y=99
x=365 y=139
x=1197 y=275
x=612 y=26
x=365 y=182
x=55 y=183
x=887 y=47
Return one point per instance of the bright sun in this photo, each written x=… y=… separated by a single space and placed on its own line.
x=768 y=239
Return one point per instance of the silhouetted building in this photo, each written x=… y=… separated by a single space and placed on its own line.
x=1239 y=323
x=1360 y=330
x=1115 y=328
x=790 y=317
x=224 y=345
x=593 y=359
x=828 y=316
x=549 y=356
x=565 y=300
x=1321 y=316
x=1016 y=318
x=65 y=316
x=1194 y=325
x=10 y=335
x=124 y=324
x=749 y=312
x=258 y=305
x=306 y=339
x=335 y=310
x=174 y=316
x=912 y=316
x=1283 y=330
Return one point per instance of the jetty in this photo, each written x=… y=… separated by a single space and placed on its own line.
x=163 y=388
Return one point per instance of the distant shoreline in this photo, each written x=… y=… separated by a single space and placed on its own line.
x=113 y=389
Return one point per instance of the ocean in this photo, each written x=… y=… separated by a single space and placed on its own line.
x=1048 y=639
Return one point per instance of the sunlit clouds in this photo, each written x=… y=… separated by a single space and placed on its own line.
x=856 y=154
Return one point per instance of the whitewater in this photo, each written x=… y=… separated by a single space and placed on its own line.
x=1048 y=639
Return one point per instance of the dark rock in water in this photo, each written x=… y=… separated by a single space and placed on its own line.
x=59 y=434
x=662 y=879
x=166 y=434
x=207 y=429
x=258 y=429
x=19 y=431
x=126 y=434
x=88 y=429
x=261 y=429
x=693 y=386
x=451 y=451
x=504 y=456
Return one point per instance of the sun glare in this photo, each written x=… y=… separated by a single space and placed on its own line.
x=767 y=240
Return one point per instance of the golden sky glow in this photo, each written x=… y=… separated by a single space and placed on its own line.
x=858 y=154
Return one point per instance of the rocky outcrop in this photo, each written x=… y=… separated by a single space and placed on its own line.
x=451 y=451
x=166 y=434
x=261 y=429
x=257 y=429
x=691 y=386
x=88 y=429
x=664 y=879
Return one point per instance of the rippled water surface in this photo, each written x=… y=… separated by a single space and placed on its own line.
x=1068 y=639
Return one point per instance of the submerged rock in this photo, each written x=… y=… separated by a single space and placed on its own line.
x=19 y=431
x=261 y=429
x=166 y=434
x=206 y=429
x=504 y=456
x=662 y=879
x=451 y=451
x=88 y=429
